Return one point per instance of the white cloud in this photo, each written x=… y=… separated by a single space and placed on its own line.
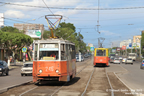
x=49 y=3
x=108 y=33
x=15 y=14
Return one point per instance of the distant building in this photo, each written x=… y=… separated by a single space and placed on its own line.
x=136 y=39
x=125 y=43
x=31 y=29
x=90 y=45
x=1 y=20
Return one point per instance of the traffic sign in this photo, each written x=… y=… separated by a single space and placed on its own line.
x=92 y=48
x=24 y=49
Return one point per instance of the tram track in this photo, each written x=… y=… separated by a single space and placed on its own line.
x=50 y=89
x=97 y=80
x=57 y=89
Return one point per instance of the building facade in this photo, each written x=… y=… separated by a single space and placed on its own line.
x=136 y=39
x=1 y=20
x=125 y=43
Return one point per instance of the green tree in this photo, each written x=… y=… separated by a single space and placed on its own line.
x=67 y=32
x=67 y=25
x=142 y=43
x=12 y=42
x=10 y=29
x=46 y=34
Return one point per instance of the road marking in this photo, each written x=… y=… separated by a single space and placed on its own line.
x=87 y=83
x=28 y=91
x=123 y=68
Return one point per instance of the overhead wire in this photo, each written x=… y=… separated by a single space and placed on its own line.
x=47 y=6
x=75 y=8
x=20 y=21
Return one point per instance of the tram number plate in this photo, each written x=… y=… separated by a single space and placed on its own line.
x=49 y=68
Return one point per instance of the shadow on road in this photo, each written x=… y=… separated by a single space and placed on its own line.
x=101 y=66
x=58 y=83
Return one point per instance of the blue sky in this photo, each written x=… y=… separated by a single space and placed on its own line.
x=115 y=25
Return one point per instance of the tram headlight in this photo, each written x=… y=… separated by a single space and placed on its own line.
x=57 y=71
x=40 y=71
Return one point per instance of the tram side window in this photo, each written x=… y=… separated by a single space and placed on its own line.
x=35 y=50
x=101 y=53
x=73 y=52
x=68 y=52
x=63 y=52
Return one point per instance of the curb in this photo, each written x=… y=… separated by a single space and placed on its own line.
x=133 y=92
x=7 y=88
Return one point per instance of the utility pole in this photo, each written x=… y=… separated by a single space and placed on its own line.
x=98 y=19
x=140 y=47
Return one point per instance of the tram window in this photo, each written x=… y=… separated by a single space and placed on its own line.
x=49 y=51
x=101 y=53
x=67 y=52
x=73 y=51
x=35 y=50
x=63 y=52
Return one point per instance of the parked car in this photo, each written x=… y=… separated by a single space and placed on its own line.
x=27 y=69
x=129 y=61
x=4 y=68
x=123 y=60
x=86 y=56
x=82 y=58
x=116 y=60
x=111 y=60
x=77 y=59
x=142 y=65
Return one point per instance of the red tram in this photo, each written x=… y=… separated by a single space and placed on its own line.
x=101 y=56
x=61 y=67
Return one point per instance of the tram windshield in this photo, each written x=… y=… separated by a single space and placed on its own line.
x=48 y=52
x=101 y=53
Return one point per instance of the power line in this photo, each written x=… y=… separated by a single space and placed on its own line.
x=20 y=21
x=47 y=7
x=75 y=8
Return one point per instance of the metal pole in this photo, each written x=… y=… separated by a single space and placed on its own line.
x=140 y=48
x=132 y=44
x=92 y=57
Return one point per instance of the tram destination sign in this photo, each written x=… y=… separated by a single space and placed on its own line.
x=48 y=45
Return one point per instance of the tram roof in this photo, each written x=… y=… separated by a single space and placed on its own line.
x=53 y=41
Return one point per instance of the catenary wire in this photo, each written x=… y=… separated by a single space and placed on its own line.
x=141 y=7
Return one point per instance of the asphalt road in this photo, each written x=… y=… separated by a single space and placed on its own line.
x=14 y=78
x=131 y=75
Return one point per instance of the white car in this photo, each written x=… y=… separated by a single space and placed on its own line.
x=129 y=60
x=116 y=60
x=27 y=69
